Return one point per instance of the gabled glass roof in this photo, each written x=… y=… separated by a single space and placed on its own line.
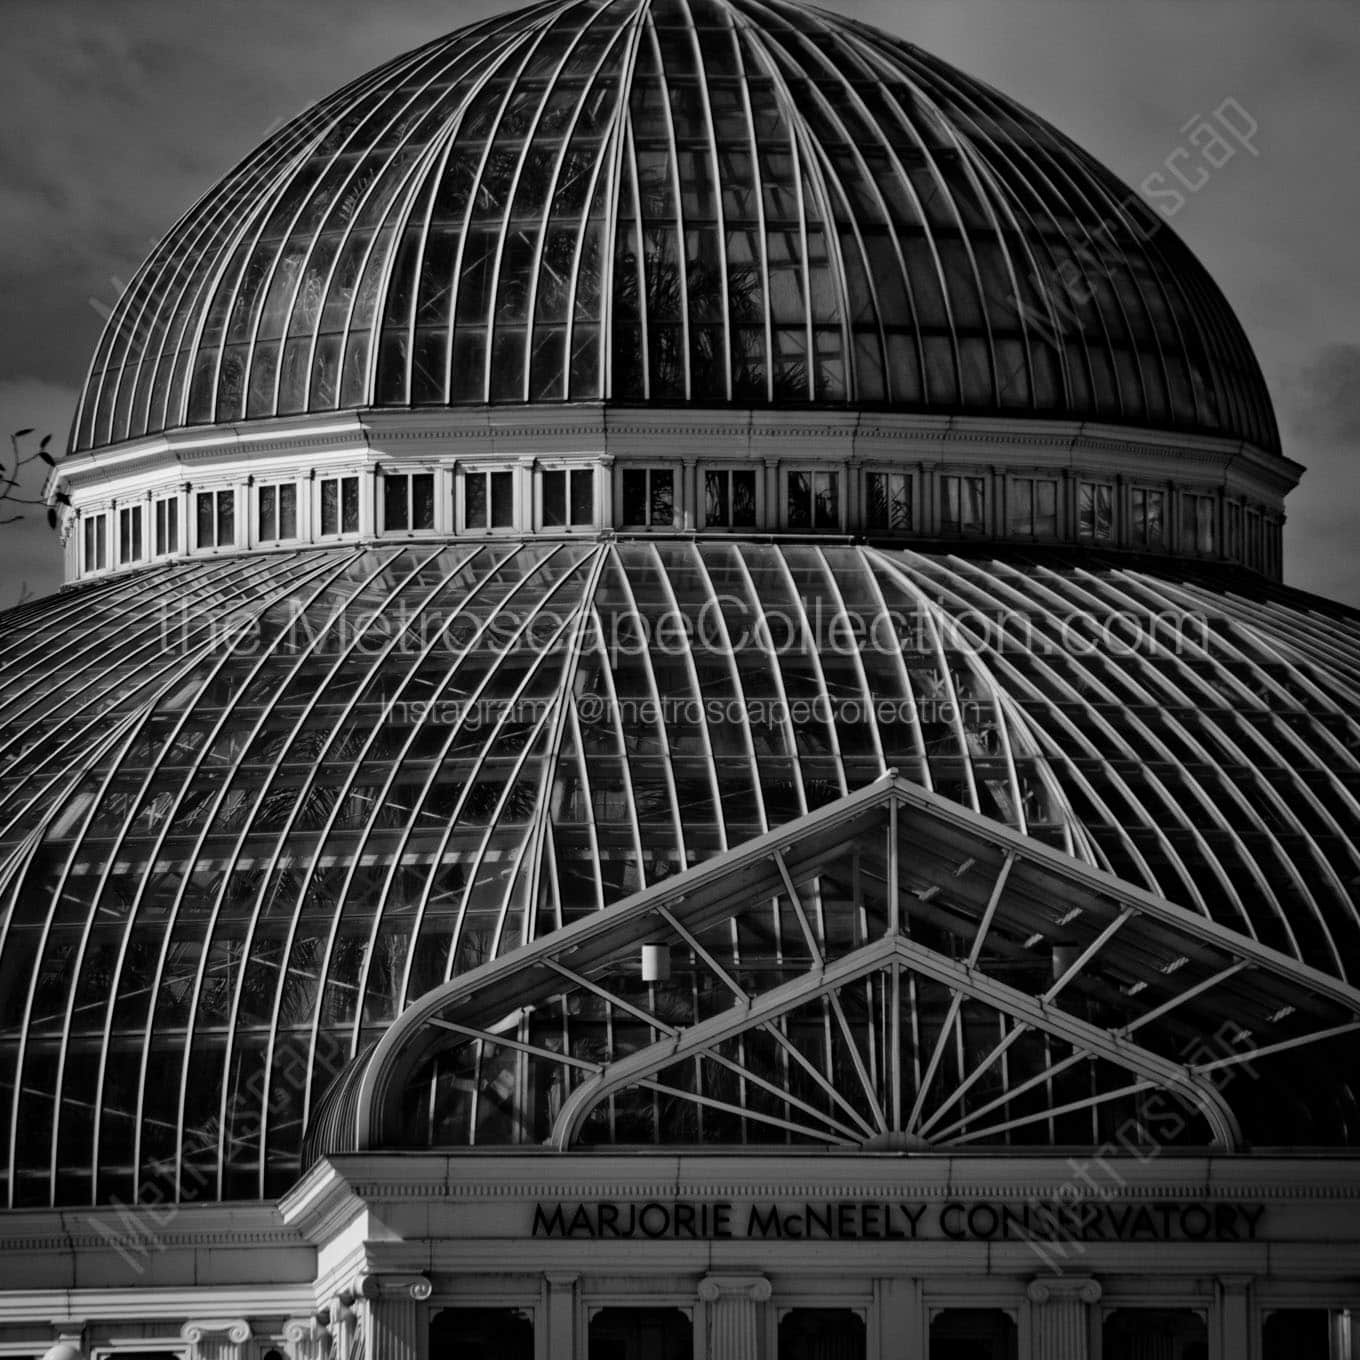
x=673 y=202
x=888 y=971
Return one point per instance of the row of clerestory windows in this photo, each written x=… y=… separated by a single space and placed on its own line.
x=661 y=495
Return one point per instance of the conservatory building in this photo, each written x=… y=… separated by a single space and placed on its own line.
x=675 y=734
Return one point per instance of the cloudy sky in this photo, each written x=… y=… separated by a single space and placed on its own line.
x=116 y=114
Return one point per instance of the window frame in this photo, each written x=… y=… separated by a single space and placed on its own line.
x=727 y=471
x=812 y=471
x=569 y=472
x=131 y=534
x=94 y=525
x=1087 y=533
x=913 y=499
x=221 y=495
x=164 y=513
x=488 y=470
x=1032 y=481
x=278 y=487
x=1138 y=536
x=1192 y=509
x=949 y=529
x=677 y=475
x=318 y=502
x=389 y=475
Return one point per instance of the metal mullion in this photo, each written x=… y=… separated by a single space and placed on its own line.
x=781 y=1093
x=728 y=652
x=528 y=48
x=477 y=861
x=829 y=576
x=630 y=159
x=227 y=210
x=993 y=901
x=866 y=564
x=969 y=1080
x=1087 y=954
x=936 y=1057
x=682 y=273
x=644 y=657
x=380 y=801
x=605 y=156
x=834 y=1003
x=814 y=945
x=454 y=730
x=613 y=999
x=705 y=740
x=262 y=214
x=121 y=732
x=777 y=674
x=290 y=587
x=430 y=114
x=895 y=1045
x=285 y=750
x=713 y=1103
x=495 y=569
x=710 y=962
x=519 y=1045
x=929 y=615
x=592 y=832
x=965 y=236
x=486 y=69
x=758 y=189
x=1075 y=190
x=349 y=141
x=720 y=215
x=787 y=1045
x=564 y=713
x=1285 y=812
x=979 y=124
x=1142 y=1084
x=195 y=308
x=1074 y=736
x=1044 y=1077
x=1335 y=1031
x=1002 y=198
x=96 y=650
x=1180 y=998
x=1060 y=685
x=612 y=152
x=906 y=183
x=812 y=656
x=1224 y=824
x=620 y=745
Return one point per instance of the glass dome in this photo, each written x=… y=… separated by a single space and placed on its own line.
x=253 y=807
x=675 y=202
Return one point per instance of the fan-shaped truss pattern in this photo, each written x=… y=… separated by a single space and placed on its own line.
x=672 y=201
x=252 y=807
x=887 y=970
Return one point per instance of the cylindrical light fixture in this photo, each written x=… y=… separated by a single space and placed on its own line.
x=656 y=962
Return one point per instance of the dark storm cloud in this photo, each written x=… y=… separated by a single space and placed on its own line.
x=1325 y=403
x=115 y=115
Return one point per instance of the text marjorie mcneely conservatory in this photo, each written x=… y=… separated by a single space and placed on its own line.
x=722 y=624
x=893 y=1220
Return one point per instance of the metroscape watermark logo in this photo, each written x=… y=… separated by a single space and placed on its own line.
x=726 y=626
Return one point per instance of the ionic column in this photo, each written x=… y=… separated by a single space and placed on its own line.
x=1234 y=1318
x=308 y=1338
x=395 y=1322
x=216 y=1338
x=1060 y=1317
x=733 y=1314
